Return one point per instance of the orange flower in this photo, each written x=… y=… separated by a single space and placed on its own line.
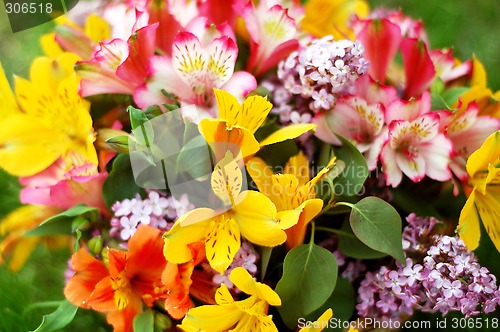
x=131 y=279
x=181 y=281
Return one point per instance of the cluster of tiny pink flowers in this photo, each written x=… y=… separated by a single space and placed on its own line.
x=448 y=278
x=318 y=73
x=245 y=257
x=156 y=210
x=349 y=269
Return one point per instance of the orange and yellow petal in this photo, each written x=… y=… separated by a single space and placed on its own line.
x=296 y=234
x=88 y=273
x=222 y=138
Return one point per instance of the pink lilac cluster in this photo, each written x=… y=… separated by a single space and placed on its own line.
x=314 y=76
x=441 y=275
x=245 y=257
x=157 y=210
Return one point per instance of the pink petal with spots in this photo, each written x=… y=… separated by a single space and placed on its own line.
x=222 y=53
x=163 y=76
x=189 y=59
x=412 y=165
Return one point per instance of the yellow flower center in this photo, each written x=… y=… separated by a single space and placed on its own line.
x=123 y=291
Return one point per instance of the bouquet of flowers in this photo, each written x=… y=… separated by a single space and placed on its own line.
x=254 y=166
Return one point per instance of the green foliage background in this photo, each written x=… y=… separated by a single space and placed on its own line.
x=469 y=26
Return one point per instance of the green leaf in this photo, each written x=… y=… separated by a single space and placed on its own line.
x=445 y=100
x=142 y=128
x=144 y=322
x=355 y=173
x=342 y=301
x=351 y=246
x=63 y=315
x=194 y=158
x=153 y=111
x=450 y=96
x=137 y=117
x=9 y=195
x=309 y=277
x=119 y=143
x=378 y=225
x=120 y=183
x=63 y=222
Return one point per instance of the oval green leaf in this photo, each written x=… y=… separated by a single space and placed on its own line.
x=144 y=322
x=378 y=225
x=354 y=173
x=309 y=277
x=351 y=246
x=63 y=315
x=62 y=223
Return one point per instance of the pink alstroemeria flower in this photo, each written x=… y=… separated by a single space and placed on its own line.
x=273 y=35
x=203 y=58
x=418 y=66
x=467 y=131
x=408 y=110
x=360 y=123
x=416 y=148
x=381 y=39
x=62 y=187
x=447 y=67
x=118 y=67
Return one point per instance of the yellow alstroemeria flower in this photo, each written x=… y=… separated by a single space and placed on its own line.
x=13 y=245
x=483 y=203
x=320 y=324
x=487 y=101
x=249 y=214
x=331 y=17
x=47 y=121
x=293 y=192
x=237 y=124
x=249 y=314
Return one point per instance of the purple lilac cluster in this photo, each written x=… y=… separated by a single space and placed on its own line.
x=310 y=79
x=349 y=268
x=245 y=257
x=440 y=274
x=157 y=210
